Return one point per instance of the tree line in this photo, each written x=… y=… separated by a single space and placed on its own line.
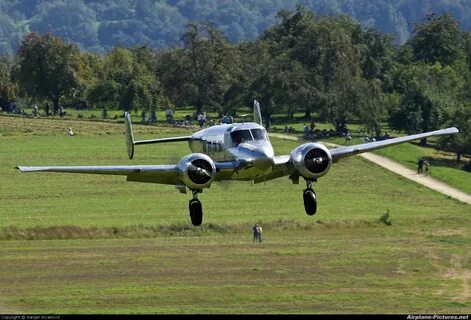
x=98 y=26
x=330 y=67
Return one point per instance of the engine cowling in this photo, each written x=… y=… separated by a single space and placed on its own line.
x=197 y=171
x=311 y=160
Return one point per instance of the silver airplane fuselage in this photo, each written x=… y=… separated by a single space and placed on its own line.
x=244 y=143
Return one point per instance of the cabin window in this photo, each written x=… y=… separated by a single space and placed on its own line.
x=240 y=136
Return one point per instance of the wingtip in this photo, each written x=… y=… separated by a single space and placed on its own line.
x=27 y=169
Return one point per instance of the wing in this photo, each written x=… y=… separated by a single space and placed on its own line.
x=342 y=152
x=162 y=174
x=282 y=165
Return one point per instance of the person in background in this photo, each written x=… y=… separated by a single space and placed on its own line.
x=420 y=165
x=312 y=126
x=199 y=118
x=255 y=233
x=260 y=231
x=348 y=137
x=427 y=167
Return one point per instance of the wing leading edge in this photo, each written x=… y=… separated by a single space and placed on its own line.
x=342 y=152
x=162 y=174
x=282 y=165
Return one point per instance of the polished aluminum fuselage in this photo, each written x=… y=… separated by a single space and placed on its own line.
x=254 y=158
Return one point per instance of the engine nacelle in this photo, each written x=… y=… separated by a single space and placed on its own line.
x=197 y=171
x=311 y=160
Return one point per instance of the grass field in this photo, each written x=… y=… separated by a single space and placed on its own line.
x=98 y=244
x=443 y=164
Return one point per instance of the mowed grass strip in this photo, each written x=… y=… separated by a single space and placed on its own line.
x=393 y=269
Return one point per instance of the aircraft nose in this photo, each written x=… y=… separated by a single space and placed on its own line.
x=263 y=158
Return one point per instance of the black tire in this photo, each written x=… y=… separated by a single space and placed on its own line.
x=310 y=202
x=196 y=212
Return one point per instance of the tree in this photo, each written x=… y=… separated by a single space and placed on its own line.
x=459 y=116
x=335 y=69
x=290 y=48
x=427 y=91
x=7 y=86
x=266 y=79
x=125 y=81
x=205 y=67
x=438 y=39
x=47 y=67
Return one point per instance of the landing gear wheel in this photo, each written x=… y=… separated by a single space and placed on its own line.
x=310 y=202
x=196 y=212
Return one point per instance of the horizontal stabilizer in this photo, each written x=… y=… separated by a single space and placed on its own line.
x=161 y=140
x=130 y=142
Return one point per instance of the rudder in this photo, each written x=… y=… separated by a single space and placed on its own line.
x=129 y=135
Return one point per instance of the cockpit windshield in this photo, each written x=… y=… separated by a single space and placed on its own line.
x=258 y=134
x=240 y=136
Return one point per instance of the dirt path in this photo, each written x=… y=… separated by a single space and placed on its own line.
x=427 y=181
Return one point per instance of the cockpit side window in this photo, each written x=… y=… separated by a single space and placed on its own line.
x=258 y=134
x=240 y=136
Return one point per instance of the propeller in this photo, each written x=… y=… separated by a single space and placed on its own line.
x=200 y=171
x=316 y=160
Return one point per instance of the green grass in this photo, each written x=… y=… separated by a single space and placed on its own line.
x=120 y=247
x=443 y=164
x=339 y=270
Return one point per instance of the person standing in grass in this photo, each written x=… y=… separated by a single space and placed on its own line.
x=312 y=126
x=427 y=167
x=260 y=230
x=257 y=233
x=420 y=165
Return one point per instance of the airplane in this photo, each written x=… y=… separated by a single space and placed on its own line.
x=236 y=151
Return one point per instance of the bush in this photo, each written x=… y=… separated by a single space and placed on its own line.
x=385 y=218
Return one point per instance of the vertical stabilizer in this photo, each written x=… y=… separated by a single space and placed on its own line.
x=257 y=115
x=129 y=135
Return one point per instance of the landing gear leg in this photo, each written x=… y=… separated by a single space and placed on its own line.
x=309 y=197
x=196 y=209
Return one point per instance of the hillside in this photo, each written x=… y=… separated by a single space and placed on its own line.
x=100 y=25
